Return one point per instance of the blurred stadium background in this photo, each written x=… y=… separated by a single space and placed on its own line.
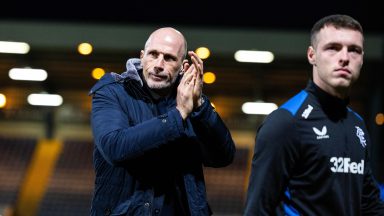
x=46 y=151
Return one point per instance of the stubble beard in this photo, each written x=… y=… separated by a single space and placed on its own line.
x=164 y=85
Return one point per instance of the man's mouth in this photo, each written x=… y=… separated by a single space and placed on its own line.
x=157 y=77
x=343 y=70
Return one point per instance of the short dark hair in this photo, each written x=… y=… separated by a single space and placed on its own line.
x=337 y=21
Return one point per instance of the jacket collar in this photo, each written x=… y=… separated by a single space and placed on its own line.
x=333 y=106
x=133 y=66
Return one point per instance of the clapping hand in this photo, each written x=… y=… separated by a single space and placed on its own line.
x=190 y=87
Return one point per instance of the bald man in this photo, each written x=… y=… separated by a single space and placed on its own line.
x=153 y=131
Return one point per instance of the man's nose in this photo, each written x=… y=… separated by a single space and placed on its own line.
x=344 y=57
x=344 y=54
x=160 y=62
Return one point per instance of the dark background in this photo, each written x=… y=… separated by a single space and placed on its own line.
x=270 y=14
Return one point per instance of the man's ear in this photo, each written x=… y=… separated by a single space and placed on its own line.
x=141 y=54
x=311 y=56
x=181 y=70
x=184 y=66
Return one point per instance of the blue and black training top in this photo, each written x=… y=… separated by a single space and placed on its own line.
x=311 y=158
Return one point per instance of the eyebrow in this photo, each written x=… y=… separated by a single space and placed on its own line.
x=165 y=54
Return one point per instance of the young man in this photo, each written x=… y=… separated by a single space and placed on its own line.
x=311 y=155
x=153 y=131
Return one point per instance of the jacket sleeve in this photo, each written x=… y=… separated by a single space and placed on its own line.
x=119 y=140
x=216 y=143
x=275 y=154
x=371 y=202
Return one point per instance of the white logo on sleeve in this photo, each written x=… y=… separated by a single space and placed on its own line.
x=307 y=111
x=344 y=165
x=360 y=135
x=321 y=134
